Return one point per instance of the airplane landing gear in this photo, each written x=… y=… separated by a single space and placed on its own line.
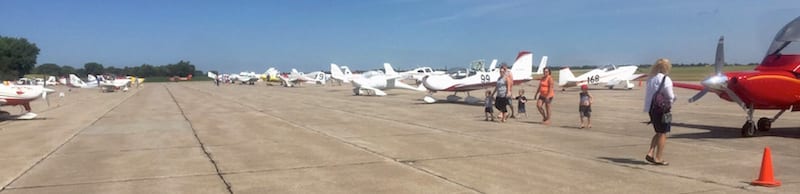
x=748 y=129
x=764 y=124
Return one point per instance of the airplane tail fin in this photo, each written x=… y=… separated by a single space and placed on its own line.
x=212 y=75
x=91 y=78
x=74 y=80
x=337 y=73
x=564 y=76
x=542 y=65
x=51 y=80
x=523 y=66
x=346 y=71
x=388 y=69
x=295 y=72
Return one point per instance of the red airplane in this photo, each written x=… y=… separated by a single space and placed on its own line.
x=773 y=85
x=176 y=78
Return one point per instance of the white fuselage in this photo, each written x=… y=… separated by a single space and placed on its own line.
x=608 y=76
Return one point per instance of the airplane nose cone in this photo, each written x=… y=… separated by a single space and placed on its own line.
x=715 y=82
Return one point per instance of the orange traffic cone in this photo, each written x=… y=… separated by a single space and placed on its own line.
x=766 y=177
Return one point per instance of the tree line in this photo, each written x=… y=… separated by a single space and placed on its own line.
x=18 y=58
x=182 y=68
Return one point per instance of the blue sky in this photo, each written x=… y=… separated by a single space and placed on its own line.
x=233 y=36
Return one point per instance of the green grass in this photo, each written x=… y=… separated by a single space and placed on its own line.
x=679 y=73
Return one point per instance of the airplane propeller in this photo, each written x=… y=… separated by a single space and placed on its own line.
x=718 y=81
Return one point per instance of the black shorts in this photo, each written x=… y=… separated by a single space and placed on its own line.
x=501 y=103
x=586 y=111
x=546 y=99
x=488 y=110
x=658 y=125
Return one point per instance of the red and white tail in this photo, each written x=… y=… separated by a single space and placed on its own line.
x=523 y=66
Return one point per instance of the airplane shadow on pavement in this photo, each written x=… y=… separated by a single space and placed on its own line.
x=719 y=132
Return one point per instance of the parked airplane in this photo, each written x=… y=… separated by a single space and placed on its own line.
x=342 y=74
x=75 y=82
x=609 y=76
x=295 y=78
x=249 y=78
x=13 y=95
x=521 y=71
x=774 y=85
x=272 y=75
x=376 y=82
x=28 y=81
x=51 y=81
x=109 y=85
x=416 y=74
x=178 y=78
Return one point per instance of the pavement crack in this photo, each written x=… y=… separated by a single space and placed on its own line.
x=65 y=142
x=202 y=145
x=343 y=140
x=109 y=181
x=303 y=167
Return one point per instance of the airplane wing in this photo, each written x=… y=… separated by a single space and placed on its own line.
x=376 y=91
x=688 y=86
x=635 y=76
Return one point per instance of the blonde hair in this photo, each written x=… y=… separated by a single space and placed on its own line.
x=662 y=65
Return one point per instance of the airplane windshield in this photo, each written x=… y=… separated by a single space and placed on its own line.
x=786 y=41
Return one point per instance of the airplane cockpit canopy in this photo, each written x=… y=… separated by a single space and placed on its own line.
x=787 y=41
x=784 y=52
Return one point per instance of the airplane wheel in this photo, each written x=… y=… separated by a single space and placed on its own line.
x=764 y=124
x=610 y=87
x=748 y=129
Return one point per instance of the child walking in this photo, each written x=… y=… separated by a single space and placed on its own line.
x=488 y=106
x=521 y=105
x=585 y=107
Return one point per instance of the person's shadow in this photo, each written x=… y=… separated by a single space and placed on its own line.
x=624 y=160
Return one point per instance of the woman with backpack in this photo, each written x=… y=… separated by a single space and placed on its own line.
x=657 y=103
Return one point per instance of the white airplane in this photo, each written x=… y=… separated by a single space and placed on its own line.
x=13 y=95
x=295 y=78
x=342 y=74
x=609 y=76
x=249 y=78
x=374 y=82
x=109 y=85
x=521 y=71
x=416 y=74
x=51 y=81
x=75 y=82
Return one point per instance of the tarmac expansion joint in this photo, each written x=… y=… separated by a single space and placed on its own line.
x=7 y=186
x=342 y=140
x=202 y=145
